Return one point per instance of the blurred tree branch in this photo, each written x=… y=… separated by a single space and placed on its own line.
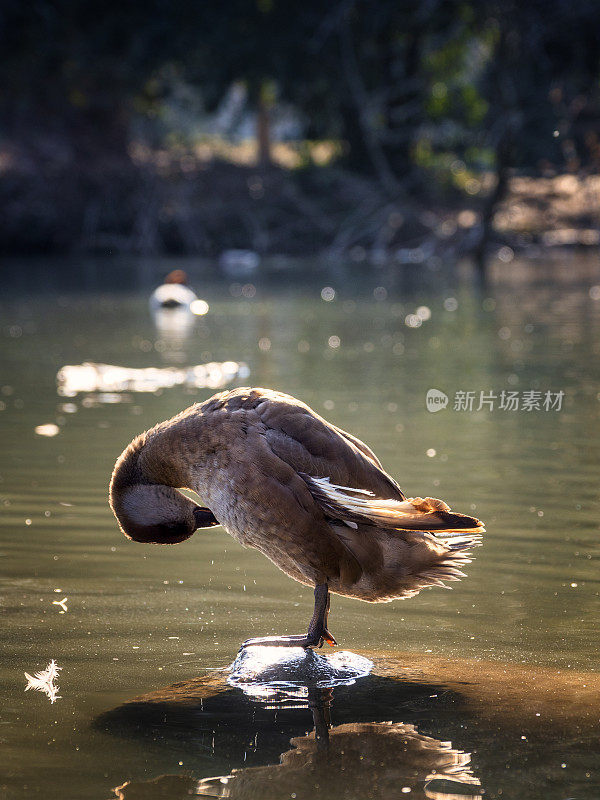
x=423 y=101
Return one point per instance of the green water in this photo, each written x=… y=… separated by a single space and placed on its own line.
x=141 y=617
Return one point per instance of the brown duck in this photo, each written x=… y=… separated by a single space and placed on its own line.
x=311 y=497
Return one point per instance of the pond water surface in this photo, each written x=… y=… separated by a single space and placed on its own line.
x=496 y=680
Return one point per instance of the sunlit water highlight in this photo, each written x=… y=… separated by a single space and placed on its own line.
x=266 y=672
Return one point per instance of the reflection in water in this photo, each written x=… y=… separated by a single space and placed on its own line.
x=48 y=430
x=109 y=380
x=353 y=760
x=358 y=760
x=366 y=757
x=529 y=727
x=374 y=760
x=175 y=327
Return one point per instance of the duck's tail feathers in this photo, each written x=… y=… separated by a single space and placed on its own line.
x=353 y=507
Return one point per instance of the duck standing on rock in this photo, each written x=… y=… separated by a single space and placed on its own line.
x=312 y=498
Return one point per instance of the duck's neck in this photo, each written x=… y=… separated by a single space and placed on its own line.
x=144 y=499
x=173 y=451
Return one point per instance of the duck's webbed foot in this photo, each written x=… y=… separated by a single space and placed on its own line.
x=317 y=630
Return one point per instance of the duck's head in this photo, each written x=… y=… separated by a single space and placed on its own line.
x=151 y=512
x=177 y=276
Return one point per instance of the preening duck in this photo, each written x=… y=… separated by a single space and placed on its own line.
x=311 y=497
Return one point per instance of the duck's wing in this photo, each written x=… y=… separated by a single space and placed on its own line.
x=306 y=441
x=315 y=447
x=343 y=475
x=318 y=490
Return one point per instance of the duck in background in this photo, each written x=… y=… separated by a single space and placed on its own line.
x=176 y=294
x=175 y=307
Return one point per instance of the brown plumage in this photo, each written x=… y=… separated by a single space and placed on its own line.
x=311 y=497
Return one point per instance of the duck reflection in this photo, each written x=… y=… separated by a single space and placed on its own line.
x=368 y=759
x=352 y=760
x=374 y=760
x=175 y=327
x=365 y=752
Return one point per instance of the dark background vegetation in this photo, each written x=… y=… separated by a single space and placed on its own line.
x=426 y=112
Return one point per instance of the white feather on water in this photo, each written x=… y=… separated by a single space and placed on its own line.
x=44 y=681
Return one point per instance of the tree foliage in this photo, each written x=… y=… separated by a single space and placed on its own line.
x=422 y=94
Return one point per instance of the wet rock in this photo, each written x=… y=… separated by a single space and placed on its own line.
x=258 y=671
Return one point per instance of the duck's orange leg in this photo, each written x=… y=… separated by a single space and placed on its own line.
x=317 y=628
